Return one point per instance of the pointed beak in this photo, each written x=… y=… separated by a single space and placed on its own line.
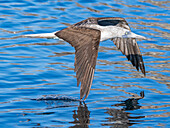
x=133 y=35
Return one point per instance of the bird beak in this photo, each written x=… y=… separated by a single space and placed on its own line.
x=133 y=35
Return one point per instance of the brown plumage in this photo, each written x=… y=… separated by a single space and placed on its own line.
x=85 y=39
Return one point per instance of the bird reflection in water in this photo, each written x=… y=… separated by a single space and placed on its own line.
x=119 y=117
x=131 y=103
x=81 y=116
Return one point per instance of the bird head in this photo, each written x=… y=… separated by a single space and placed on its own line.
x=129 y=34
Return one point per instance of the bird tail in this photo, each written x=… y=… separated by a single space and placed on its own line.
x=42 y=35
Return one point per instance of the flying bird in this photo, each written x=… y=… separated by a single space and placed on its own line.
x=85 y=37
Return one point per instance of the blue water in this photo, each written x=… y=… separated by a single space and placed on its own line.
x=32 y=68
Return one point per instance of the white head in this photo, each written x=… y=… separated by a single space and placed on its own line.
x=114 y=31
x=129 y=34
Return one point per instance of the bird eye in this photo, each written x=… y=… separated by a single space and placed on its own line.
x=126 y=32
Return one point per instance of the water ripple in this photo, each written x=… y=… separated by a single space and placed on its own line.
x=33 y=68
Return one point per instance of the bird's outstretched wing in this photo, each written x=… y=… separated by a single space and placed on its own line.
x=130 y=49
x=86 y=43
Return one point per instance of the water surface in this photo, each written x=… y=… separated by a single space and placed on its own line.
x=33 y=68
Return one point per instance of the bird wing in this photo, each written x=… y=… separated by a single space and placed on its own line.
x=130 y=48
x=113 y=21
x=86 y=43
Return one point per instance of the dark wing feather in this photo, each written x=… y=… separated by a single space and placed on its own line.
x=113 y=21
x=86 y=43
x=104 y=21
x=127 y=46
x=130 y=48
